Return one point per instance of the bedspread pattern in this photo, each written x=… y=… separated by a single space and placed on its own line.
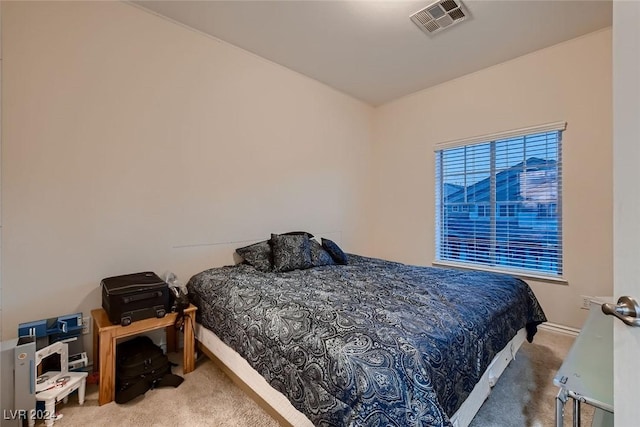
x=371 y=343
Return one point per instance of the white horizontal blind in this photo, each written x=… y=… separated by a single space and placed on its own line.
x=498 y=203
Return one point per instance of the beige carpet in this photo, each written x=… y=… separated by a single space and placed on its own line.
x=524 y=396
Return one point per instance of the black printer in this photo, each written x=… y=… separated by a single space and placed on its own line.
x=134 y=297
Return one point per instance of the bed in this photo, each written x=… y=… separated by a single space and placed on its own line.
x=369 y=343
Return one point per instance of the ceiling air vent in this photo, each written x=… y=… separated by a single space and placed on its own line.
x=439 y=15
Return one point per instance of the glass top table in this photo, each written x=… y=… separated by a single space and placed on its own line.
x=586 y=375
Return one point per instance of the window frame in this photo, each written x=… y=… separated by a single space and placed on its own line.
x=560 y=127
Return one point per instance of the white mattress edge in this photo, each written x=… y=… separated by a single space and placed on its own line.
x=470 y=407
x=280 y=404
x=251 y=377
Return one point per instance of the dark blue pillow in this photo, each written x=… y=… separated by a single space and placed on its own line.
x=290 y=252
x=319 y=256
x=298 y=233
x=257 y=255
x=334 y=250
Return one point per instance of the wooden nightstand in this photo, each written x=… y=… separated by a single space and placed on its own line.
x=106 y=334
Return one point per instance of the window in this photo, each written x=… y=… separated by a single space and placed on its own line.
x=510 y=186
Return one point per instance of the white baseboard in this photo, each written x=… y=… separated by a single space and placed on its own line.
x=559 y=329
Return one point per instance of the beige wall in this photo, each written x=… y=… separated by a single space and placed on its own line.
x=132 y=143
x=570 y=82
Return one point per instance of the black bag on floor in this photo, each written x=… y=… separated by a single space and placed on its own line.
x=141 y=365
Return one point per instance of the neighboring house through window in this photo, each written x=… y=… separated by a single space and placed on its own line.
x=499 y=200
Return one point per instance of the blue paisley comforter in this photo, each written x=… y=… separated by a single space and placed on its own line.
x=371 y=343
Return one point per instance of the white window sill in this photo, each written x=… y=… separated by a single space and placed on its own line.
x=521 y=274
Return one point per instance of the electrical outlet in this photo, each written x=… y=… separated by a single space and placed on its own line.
x=585 y=302
x=86 y=325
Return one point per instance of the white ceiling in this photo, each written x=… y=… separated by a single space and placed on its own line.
x=372 y=51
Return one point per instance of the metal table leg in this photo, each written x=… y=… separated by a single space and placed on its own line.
x=576 y=412
x=561 y=399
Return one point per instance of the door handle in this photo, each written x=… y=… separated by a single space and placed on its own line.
x=627 y=310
